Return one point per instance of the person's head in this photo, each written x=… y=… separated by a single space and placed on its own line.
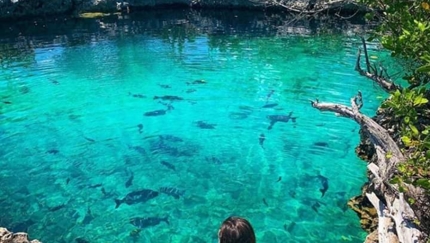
x=236 y=230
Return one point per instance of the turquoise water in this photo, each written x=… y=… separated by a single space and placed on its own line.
x=74 y=136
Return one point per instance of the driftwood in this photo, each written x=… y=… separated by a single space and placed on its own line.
x=395 y=216
x=397 y=213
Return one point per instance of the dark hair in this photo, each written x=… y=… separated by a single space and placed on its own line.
x=236 y=230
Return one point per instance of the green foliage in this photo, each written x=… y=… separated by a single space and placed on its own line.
x=404 y=29
x=407 y=107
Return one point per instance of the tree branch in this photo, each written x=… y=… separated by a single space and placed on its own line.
x=397 y=211
x=384 y=82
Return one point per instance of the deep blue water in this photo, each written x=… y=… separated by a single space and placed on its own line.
x=75 y=137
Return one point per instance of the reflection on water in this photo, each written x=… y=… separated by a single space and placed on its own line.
x=156 y=127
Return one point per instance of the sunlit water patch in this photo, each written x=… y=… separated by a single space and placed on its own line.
x=200 y=125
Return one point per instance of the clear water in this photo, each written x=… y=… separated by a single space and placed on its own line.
x=73 y=131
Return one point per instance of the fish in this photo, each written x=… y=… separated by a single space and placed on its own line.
x=155 y=113
x=144 y=222
x=81 y=240
x=290 y=227
x=198 y=81
x=280 y=118
x=140 y=96
x=7 y=102
x=53 y=151
x=321 y=144
x=129 y=182
x=261 y=139
x=67 y=181
x=168 y=165
x=88 y=217
x=96 y=185
x=315 y=206
x=205 y=125
x=269 y=105
x=140 y=128
x=265 y=203
x=165 y=86
x=324 y=184
x=56 y=208
x=269 y=95
x=279 y=179
x=103 y=190
x=140 y=196
x=168 y=97
x=54 y=81
x=174 y=192
x=89 y=139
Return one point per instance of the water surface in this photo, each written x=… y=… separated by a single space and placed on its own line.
x=75 y=137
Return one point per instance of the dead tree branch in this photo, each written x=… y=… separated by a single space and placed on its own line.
x=372 y=72
x=393 y=211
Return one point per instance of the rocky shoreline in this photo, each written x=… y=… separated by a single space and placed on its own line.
x=9 y=237
x=17 y=9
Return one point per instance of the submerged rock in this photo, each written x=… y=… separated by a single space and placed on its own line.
x=9 y=237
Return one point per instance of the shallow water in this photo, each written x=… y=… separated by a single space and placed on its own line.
x=74 y=136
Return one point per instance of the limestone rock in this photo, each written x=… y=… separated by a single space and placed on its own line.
x=9 y=237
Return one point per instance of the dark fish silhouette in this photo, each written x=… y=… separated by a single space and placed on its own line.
x=265 y=203
x=53 y=151
x=205 y=125
x=155 y=113
x=54 y=81
x=199 y=81
x=279 y=179
x=7 y=102
x=168 y=97
x=165 y=86
x=136 y=197
x=141 y=96
x=129 y=182
x=280 y=118
x=67 y=181
x=168 y=165
x=290 y=227
x=324 y=184
x=88 y=217
x=81 y=240
x=321 y=144
x=315 y=206
x=56 y=208
x=140 y=128
x=261 y=139
x=174 y=192
x=269 y=95
x=103 y=190
x=89 y=139
x=96 y=185
x=142 y=223
x=270 y=105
